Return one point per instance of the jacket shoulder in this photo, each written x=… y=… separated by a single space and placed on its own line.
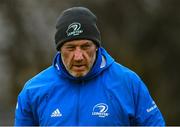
x=122 y=71
x=42 y=79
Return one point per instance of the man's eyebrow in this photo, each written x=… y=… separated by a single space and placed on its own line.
x=69 y=44
x=88 y=42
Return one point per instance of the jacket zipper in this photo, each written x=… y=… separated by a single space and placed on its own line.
x=81 y=83
x=78 y=106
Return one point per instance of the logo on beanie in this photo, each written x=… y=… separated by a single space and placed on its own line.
x=74 y=29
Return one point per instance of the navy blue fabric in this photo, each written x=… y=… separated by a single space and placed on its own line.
x=110 y=95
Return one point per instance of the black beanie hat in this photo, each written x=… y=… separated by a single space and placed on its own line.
x=76 y=23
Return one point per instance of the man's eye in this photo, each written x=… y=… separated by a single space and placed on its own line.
x=85 y=46
x=70 y=48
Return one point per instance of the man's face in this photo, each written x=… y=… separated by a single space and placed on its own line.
x=78 y=56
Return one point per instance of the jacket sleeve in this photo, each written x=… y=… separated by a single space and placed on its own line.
x=23 y=112
x=146 y=111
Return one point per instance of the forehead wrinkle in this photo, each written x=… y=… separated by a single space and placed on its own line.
x=78 y=42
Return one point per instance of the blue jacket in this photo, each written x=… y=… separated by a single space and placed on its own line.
x=109 y=95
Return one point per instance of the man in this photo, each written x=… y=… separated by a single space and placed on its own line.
x=85 y=86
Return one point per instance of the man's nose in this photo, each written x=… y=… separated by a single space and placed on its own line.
x=78 y=55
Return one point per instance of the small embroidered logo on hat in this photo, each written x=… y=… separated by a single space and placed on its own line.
x=74 y=29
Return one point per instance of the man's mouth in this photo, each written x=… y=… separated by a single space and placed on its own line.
x=79 y=67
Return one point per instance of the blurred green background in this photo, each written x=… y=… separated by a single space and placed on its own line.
x=143 y=35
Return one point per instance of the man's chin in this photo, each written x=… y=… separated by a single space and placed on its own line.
x=78 y=74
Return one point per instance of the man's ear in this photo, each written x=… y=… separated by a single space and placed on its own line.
x=59 y=49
